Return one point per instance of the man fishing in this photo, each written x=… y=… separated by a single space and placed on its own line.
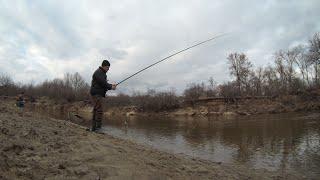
x=99 y=87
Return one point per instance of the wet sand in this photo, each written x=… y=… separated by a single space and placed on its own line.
x=36 y=147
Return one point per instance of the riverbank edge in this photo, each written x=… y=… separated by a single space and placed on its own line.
x=285 y=104
x=37 y=147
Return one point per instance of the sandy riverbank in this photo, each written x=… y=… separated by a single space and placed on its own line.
x=245 y=107
x=36 y=147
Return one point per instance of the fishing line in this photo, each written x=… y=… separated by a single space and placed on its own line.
x=197 y=44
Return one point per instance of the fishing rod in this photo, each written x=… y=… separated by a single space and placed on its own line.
x=202 y=42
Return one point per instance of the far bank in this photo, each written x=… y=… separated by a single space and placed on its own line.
x=202 y=107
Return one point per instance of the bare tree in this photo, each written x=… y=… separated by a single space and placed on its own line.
x=212 y=89
x=7 y=86
x=240 y=67
x=5 y=80
x=284 y=61
x=272 y=82
x=303 y=62
x=156 y=101
x=256 y=81
x=280 y=69
x=314 y=50
x=119 y=101
x=228 y=89
x=76 y=84
x=194 y=91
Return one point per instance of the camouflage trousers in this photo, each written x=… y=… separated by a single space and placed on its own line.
x=97 y=115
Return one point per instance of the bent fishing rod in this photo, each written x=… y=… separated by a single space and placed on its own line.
x=215 y=37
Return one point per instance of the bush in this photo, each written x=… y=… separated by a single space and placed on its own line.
x=156 y=101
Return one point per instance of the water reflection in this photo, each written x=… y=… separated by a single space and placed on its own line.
x=286 y=142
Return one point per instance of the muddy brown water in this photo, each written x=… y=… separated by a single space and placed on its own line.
x=285 y=142
x=274 y=142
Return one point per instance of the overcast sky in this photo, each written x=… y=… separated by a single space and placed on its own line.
x=45 y=39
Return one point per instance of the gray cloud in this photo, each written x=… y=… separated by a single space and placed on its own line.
x=45 y=39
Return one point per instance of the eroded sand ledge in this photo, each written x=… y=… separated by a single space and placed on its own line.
x=34 y=147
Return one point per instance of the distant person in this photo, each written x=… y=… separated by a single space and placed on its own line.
x=99 y=87
x=20 y=101
x=32 y=99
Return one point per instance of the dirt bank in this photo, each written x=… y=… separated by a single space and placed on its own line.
x=284 y=104
x=36 y=147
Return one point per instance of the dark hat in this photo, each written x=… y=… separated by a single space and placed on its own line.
x=105 y=63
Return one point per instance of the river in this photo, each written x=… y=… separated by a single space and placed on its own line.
x=288 y=142
x=277 y=142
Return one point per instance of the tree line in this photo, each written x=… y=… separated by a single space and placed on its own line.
x=295 y=71
x=72 y=87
